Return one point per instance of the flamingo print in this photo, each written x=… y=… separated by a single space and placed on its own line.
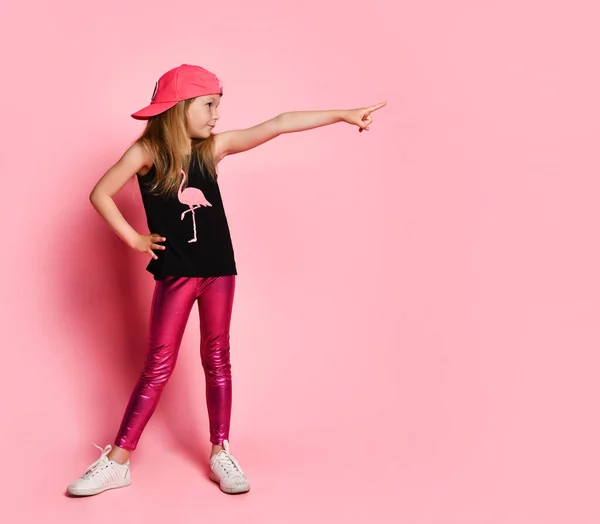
x=194 y=198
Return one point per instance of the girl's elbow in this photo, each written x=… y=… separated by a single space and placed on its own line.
x=279 y=125
x=95 y=197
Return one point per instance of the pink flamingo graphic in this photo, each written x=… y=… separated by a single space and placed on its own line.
x=194 y=198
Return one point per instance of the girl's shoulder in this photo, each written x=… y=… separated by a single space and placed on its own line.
x=145 y=155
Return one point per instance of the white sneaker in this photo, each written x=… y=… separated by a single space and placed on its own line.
x=225 y=470
x=101 y=475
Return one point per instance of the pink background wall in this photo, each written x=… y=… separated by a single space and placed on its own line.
x=415 y=333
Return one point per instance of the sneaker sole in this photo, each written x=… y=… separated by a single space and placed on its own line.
x=95 y=491
x=229 y=491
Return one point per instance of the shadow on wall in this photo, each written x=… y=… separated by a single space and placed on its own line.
x=107 y=296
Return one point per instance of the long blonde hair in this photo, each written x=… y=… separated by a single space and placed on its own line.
x=166 y=138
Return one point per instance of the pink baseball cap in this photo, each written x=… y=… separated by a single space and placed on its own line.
x=180 y=83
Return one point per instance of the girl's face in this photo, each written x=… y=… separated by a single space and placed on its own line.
x=203 y=116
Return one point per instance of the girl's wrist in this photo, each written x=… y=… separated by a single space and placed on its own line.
x=344 y=115
x=131 y=238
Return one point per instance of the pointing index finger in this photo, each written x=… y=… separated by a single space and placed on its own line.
x=377 y=106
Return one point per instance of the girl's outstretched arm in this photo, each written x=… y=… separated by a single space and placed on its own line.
x=236 y=141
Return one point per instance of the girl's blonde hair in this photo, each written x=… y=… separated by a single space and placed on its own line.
x=166 y=138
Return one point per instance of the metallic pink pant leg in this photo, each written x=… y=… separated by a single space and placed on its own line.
x=215 y=306
x=171 y=305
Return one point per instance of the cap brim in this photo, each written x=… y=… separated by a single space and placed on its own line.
x=152 y=110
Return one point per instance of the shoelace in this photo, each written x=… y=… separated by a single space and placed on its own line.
x=227 y=461
x=93 y=469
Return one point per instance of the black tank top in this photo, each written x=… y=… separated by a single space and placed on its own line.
x=198 y=239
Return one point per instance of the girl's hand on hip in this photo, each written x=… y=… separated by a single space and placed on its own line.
x=148 y=243
x=362 y=117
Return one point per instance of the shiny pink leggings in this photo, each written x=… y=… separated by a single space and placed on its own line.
x=171 y=305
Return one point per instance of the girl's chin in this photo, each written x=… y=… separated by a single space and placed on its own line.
x=204 y=134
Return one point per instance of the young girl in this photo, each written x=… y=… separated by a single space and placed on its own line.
x=191 y=252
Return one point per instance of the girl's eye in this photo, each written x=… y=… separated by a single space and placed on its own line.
x=209 y=104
